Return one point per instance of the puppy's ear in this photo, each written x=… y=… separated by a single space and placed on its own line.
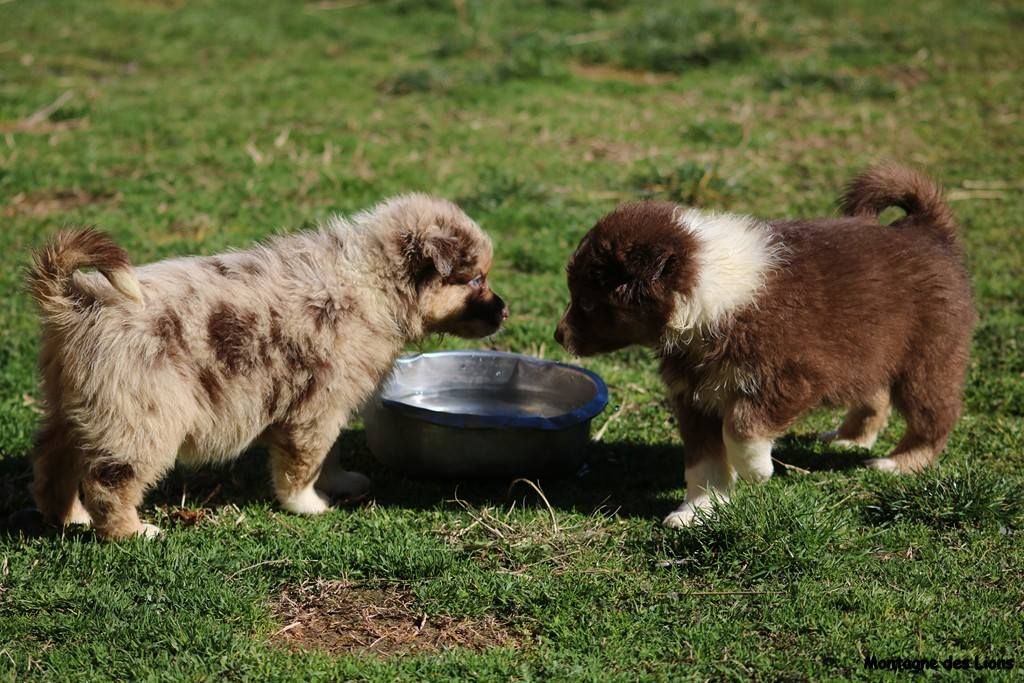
x=650 y=263
x=428 y=253
x=647 y=268
x=442 y=251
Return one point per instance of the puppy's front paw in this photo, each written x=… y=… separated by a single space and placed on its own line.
x=309 y=501
x=78 y=515
x=680 y=519
x=882 y=464
x=148 y=531
x=685 y=516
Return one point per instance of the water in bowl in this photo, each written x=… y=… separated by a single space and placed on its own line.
x=492 y=401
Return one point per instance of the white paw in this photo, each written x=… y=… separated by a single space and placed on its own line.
x=78 y=515
x=690 y=513
x=680 y=519
x=882 y=464
x=309 y=501
x=148 y=531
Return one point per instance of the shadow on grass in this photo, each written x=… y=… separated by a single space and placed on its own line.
x=807 y=452
x=629 y=479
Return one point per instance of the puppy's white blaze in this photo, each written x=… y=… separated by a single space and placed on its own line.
x=733 y=256
x=308 y=501
x=752 y=459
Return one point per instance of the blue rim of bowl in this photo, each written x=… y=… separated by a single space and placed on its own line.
x=585 y=412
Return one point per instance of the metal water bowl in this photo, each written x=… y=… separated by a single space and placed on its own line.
x=483 y=414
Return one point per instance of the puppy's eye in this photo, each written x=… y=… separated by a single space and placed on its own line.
x=477 y=282
x=587 y=306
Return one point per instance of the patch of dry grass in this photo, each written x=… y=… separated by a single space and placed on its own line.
x=342 y=618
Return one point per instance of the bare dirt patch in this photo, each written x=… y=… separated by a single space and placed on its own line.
x=343 y=618
x=55 y=201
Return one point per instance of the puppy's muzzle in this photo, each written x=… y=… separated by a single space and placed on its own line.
x=491 y=312
x=498 y=310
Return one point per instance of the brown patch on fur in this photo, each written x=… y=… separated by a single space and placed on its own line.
x=296 y=354
x=318 y=369
x=273 y=339
x=276 y=336
x=327 y=312
x=271 y=400
x=211 y=385
x=343 y=619
x=112 y=475
x=168 y=327
x=266 y=355
x=232 y=338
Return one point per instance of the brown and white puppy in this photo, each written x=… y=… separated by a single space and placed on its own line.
x=756 y=322
x=193 y=359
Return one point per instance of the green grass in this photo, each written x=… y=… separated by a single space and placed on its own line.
x=192 y=127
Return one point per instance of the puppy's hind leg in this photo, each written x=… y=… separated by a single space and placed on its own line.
x=114 y=487
x=708 y=474
x=863 y=423
x=57 y=473
x=930 y=415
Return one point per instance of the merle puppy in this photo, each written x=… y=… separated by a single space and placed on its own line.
x=193 y=359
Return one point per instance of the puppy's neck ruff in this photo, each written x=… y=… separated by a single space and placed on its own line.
x=734 y=255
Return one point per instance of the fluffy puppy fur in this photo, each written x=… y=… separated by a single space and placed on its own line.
x=193 y=359
x=756 y=322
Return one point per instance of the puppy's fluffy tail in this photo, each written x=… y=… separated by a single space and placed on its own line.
x=49 y=276
x=885 y=185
